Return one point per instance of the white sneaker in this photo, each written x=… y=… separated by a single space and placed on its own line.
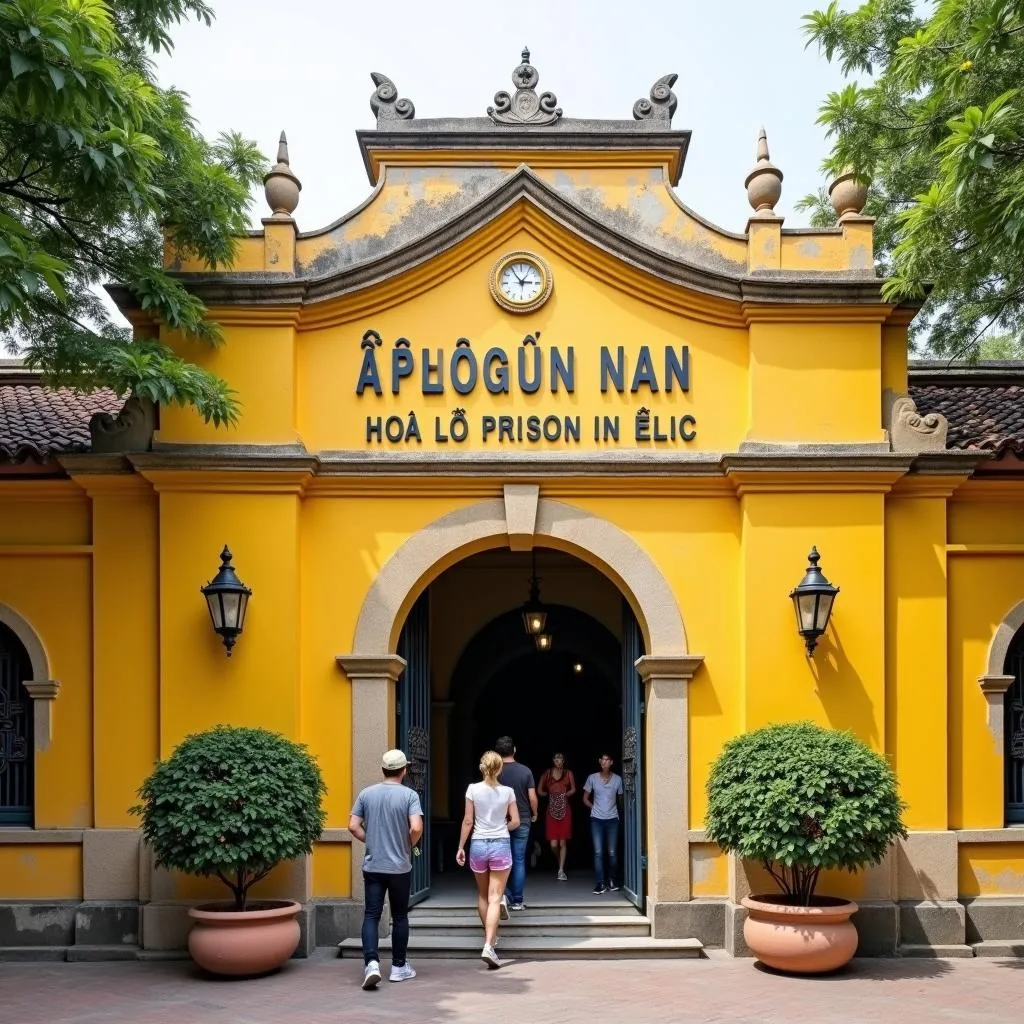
x=562 y=876
x=503 y=910
x=371 y=976
x=490 y=958
x=403 y=973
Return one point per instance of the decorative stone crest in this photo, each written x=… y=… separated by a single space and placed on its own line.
x=662 y=104
x=764 y=182
x=910 y=430
x=525 y=107
x=280 y=186
x=385 y=104
x=131 y=430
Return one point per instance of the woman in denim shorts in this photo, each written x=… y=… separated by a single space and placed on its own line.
x=490 y=815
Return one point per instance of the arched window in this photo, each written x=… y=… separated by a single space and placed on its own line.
x=1013 y=731
x=15 y=731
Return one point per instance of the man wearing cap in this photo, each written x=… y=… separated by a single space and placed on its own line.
x=387 y=817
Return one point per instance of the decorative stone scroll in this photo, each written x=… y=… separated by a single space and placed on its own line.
x=525 y=107
x=131 y=430
x=662 y=104
x=385 y=104
x=910 y=430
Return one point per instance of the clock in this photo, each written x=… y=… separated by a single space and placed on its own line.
x=521 y=282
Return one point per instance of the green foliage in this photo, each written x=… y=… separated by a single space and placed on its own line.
x=799 y=798
x=232 y=803
x=934 y=117
x=97 y=162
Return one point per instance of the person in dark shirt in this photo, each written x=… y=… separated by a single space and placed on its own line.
x=520 y=779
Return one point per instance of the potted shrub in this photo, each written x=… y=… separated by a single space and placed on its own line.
x=799 y=799
x=232 y=803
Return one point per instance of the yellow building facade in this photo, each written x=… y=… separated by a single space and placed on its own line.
x=522 y=356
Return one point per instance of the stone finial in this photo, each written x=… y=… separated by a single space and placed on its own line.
x=910 y=430
x=281 y=187
x=764 y=182
x=384 y=102
x=662 y=104
x=525 y=108
x=848 y=195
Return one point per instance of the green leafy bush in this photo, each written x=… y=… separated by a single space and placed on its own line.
x=800 y=798
x=232 y=803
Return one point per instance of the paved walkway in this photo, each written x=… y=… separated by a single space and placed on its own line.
x=568 y=992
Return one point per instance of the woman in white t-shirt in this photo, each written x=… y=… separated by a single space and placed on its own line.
x=491 y=814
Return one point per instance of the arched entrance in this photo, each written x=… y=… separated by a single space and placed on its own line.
x=518 y=521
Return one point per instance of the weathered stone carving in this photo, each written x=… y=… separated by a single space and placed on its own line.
x=525 y=107
x=910 y=430
x=131 y=430
x=385 y=104
x=662 y=104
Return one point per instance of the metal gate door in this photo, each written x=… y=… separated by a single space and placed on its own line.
x=1014 y=733
x=413 y=727
x=632 y=763
x=15 y=732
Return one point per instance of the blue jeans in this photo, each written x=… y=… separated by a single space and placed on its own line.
x=517 y=876
x=397 y=887
x=604 y=834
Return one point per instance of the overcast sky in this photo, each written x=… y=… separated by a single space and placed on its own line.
x=304 y=66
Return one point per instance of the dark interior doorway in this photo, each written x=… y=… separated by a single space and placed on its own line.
x=567 y=699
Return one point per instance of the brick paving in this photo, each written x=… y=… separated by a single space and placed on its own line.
x=325 y=989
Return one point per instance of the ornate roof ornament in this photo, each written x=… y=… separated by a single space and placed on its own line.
x=764 y=182
x=662 y=104
x=848 y=194
x=385 y=104
x=280 y=185
x=525 y=107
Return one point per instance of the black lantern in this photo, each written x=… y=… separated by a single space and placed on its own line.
x=812 y=598
x=543 y=641
x=535 y=615
x=227 y=597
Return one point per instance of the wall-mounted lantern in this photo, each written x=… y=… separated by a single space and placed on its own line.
x=812 y=598
x=543 y=641
x=534 y=613
x=227 y=597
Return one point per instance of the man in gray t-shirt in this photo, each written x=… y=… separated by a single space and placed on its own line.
x=601 y=793
x=388 y=818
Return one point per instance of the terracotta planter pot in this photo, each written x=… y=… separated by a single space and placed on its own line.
x=226 y=941
x=806 y=940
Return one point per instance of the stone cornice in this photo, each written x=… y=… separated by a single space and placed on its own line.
x=430 y=141
x=682 y=667
x=755 y=467
x=371 y=666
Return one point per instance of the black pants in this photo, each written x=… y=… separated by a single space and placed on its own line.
x=397 y=889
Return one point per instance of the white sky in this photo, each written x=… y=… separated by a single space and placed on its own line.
x=304 y=66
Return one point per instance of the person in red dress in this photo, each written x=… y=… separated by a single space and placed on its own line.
x=558 y=785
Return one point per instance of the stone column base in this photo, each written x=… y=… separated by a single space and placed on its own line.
x=932 y=928
x=995 y=925
x=702 y=919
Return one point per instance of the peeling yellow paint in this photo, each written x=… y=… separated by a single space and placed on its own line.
x=46 y=871
x=991 y=869
x=709 y=870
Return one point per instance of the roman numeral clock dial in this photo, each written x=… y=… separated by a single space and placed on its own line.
x=521 y=282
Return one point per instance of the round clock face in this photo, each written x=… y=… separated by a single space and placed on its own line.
x=521 y=282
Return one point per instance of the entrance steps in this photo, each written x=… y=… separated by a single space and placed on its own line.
x=440 y=928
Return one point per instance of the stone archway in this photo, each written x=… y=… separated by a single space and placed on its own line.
x=518 y=520
x=994 y=681
x=41 y=688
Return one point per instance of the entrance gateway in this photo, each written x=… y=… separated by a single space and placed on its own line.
x=548 y=700
x=391 y=685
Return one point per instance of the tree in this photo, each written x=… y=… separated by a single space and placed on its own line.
x=933 y=117
x=98 y=164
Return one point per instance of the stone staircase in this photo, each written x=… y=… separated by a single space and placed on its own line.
x=550 y=928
